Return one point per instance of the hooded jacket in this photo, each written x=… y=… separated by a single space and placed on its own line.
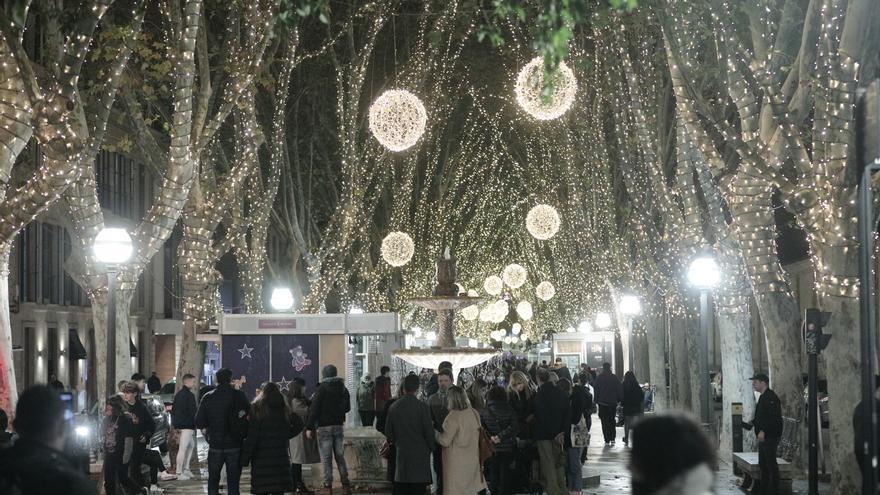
x=330 y=404
x=500 y=419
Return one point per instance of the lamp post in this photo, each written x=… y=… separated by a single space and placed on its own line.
x=704 y=275
x=630 y=307
x=112 y=248
x=282 y=299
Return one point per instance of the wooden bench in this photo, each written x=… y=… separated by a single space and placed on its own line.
x=747 y=462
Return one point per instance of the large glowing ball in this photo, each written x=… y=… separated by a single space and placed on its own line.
x=493 y=285
x=543 y=222
x=397 y=248
x=524 y=310
x=398 y=119
x=545 y=291
x=529 y=90
x=470 y=313
x=514 y=275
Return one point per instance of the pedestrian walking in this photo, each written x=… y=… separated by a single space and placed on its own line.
x=502 y=425
x=460 y=440
x=768 y=430
x=144 y=425
x=633 y=403
x=222 y=415
x=117 y=439
x=577 y=402
x=671 y=456
x=154 y=384
x=438 y=402
x=551 y=424
x=270 y=429
x=383 y=393
x=608 y=393
x=302 y=450
x=183 y=419
x=326 y=417
x=409 y=431
x=583 y=390
x=366 y=400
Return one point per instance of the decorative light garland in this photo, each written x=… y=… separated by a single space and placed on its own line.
x=398 y=119
x=530 y=95
x=545 y=291
x=397 y=248
x=543 y=222
x=493 y=285
x=514 y=275
x=524 y=310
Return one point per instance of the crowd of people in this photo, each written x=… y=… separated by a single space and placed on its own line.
x=515 y=428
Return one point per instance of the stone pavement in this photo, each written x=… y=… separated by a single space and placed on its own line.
x=610 y=463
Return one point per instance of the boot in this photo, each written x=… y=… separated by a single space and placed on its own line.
x=327 y=490
x=346 y=489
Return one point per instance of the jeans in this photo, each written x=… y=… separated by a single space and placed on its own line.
x=216 y=459
x=607 y=415
x=501 y=474
x=574 y=477
x=769 y=467
x=185 y=450
x=330 y=445
x=628 y=423
x=552 y=467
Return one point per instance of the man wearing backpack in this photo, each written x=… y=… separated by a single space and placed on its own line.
x=222 y=416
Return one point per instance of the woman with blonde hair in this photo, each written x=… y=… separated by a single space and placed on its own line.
x=462 y=470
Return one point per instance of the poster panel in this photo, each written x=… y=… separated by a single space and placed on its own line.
x=295 y=356
x=248 y=358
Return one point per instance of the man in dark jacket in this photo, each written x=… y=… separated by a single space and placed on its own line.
x=36 y=465
x=432 y=386
x=327 y=415
x=183 y=418
x=383 y=393
x=438 y=404
x=409 y=429
x=146 y=425
x=154 y=384
x=222 y=415
x=562 y=370
x=551 y=423
x=608 y=393
x=768 y=430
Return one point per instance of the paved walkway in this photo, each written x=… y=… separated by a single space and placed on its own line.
x=609 y=462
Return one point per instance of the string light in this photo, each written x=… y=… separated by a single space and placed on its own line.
x=545 y=291
x=543 y=222
x=493 y=285
x=397 y=248
x=398 y=119
x=524 y=310
x=514 y=275
x=530 y=94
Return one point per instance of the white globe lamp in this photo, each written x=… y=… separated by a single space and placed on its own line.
x=113 y=246
x=603 y=320
x=704 y=273
x=282 y=299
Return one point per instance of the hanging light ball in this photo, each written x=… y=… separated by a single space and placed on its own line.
x=398 y=248
x=493 y=285
x=499 y=311
x=516 y=328
x=524 y=310
x=543 y=222
x=486 y=314
x=530 y=86
x=470 y=313
x=472 y=293
x=514 y=275
x=397 y=119
x=545 y=291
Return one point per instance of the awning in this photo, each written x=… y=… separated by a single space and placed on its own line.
x=77 y=349
x=132 y=349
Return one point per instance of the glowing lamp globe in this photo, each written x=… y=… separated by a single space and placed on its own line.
x=542 y=222
x=603 y=320
x=514 y=275
x=704 y=273
x=570 y=330
x=113 y=246
x=630 y=305
x=397 y=248
x=545 y=291
x=493 y=285
x=524 y=310
x=516 y=328
x=282 y=299
x=470 y=313
x=530 y=87
x=585 y=327
x=397 y=119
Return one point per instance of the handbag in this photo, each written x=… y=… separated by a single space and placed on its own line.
x=487 y=450
x=580 y=435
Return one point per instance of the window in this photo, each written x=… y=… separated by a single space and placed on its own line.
x=43 y=249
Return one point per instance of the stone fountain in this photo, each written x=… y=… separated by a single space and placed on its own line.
x=445 y=301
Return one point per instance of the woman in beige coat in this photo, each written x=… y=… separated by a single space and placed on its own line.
x=302 y=449
x=462 y=473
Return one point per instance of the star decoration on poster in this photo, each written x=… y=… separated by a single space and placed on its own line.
x=246 y=351
x=300 y=359
x=284 y=384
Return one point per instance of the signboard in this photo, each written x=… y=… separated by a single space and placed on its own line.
x=264 y=324
x=255 y=359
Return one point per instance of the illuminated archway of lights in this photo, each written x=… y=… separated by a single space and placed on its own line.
x=543 y=222
x=398 y=119
x=397 y=248
x=530 y=87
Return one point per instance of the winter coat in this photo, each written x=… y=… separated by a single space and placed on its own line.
x=768 y=415
x=608 y=389
x=366 y=396
x=302 y=449
x=409 y=429
x=633 y=400
x=461 y=453
x=154 y=385
x=383 y=392
x=37 y=469
x=330 y=404
x=265 y=449
x=500 y=419
x=183 y=410
x=563 y=372
x=586 y=398
x=525 y=409
x=146 y=425
x=551 y=413
x=579 y=402
x=214 y=411
x=439 y=409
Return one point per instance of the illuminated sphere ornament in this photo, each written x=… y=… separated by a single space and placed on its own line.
x=470 y=313
x=603 y=320
x=398 y=248
x=493 y=285
x=542 y=222
x=545 y=291
x=397 y=119
x=499 y=311
x=514 y=275
x=524 y=310
x=516 y=328
x=530 y=86
x=472 y=293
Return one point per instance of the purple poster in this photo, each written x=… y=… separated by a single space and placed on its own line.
x=295 y=356
x=247 y=356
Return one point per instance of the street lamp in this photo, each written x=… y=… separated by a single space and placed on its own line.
x=112 y=248
x=282 y=299
x=630 y=307
x=704 y=275
x=584 y=327
x=603 y=320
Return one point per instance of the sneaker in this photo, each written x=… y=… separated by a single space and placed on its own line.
x=608 y=444
x=155 y=490
x=166 y=476
x=186 y=476
x=346 y=489
x=612 y=443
